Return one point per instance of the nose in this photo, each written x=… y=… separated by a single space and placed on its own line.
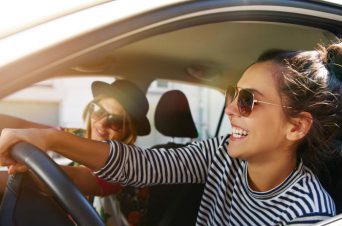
x=232 y=109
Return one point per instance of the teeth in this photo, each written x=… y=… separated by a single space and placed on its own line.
x=238 y=132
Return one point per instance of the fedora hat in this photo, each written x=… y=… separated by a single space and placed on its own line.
x=132 y=99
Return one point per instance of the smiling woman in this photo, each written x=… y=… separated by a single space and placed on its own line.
x=259 y=175
x=117 y=112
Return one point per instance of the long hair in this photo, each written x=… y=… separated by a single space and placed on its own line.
x=309 y=81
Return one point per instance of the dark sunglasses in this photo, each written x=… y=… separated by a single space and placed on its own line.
x=245 y=100
x=113 y=121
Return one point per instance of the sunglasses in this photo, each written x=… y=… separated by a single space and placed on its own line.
x=113 y=121
x=245 y=100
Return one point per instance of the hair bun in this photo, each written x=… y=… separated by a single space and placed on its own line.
x=334 y=60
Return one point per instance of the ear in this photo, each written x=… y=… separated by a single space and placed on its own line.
x=299 y=126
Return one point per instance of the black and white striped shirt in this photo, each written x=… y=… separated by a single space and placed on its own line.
x=227 y=198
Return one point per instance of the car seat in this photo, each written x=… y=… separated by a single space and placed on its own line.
x=173 y=117
x=331 y=180
x=175 y=204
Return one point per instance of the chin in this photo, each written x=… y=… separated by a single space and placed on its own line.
x=234 y=151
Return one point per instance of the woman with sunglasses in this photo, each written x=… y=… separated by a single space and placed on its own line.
x=285 y=113
x=117 y=112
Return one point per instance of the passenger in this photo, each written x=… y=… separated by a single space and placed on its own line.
x=284 y=113
x=117 y=112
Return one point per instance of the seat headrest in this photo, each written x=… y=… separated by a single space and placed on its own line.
x=173 y=116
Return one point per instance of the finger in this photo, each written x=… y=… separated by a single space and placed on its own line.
x=6 y=161
x=7 y=139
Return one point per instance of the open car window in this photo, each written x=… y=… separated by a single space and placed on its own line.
x=60 y=102
x=206 y=105
x=55 y=102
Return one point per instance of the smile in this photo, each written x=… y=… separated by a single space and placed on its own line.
x=101 y=133
x=239 y=133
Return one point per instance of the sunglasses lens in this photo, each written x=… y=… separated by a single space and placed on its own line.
x=245 y=102
x=97 y=111
x=115 y=122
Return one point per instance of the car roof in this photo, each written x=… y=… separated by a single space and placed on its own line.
x=207 y=42
x=34 y=12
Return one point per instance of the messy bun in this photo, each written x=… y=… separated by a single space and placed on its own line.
x=332 y=59
x=310 y=81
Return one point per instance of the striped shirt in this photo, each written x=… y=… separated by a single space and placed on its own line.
x=227 y=199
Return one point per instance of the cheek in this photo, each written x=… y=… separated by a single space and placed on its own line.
x=268 y=128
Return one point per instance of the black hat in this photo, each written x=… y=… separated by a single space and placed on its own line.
x=132 y=99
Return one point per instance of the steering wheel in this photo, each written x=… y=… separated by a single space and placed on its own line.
x=72 y=208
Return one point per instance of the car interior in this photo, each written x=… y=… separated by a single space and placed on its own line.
x=212 y=52
x=174 y=204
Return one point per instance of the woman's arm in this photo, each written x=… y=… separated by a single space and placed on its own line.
x=3 y=181
x=83 y=178
x=92 y=154
x=7 y=121
x=116 y=161
x=88 y=183
x=139 y=167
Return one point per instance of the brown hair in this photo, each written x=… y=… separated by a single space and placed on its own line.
x=129 y=127
x=309 y=81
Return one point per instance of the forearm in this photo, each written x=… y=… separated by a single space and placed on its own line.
x=80 y=175
x=7 y=121
x=131 y=165
x=90 y=153
x=88 y=183
x=3 y=180
x=83 y=179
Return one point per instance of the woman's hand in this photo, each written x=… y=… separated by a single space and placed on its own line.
x=92 y=154
x=9 y=137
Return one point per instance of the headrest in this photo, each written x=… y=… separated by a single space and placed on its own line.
x=173 y=116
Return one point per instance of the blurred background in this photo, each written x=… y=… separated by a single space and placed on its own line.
x=60 y=102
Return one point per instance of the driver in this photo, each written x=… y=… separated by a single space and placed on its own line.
x=285 y=112
x=117 y=112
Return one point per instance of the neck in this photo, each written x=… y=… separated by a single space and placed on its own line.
x=266 y=175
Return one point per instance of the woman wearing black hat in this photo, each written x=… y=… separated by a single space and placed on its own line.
x=127 y=107
x=117 y=112
x=285 y=114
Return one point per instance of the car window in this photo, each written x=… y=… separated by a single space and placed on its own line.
x=60 y=102
x=57 y=102
x=206 y=105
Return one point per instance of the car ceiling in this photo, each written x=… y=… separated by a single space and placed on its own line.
x=212 y=54
x=202 y=51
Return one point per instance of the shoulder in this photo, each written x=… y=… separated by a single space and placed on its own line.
x=311 y=196
x=213 y=143
x=306 y=201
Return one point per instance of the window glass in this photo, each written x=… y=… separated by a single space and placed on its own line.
x=56 y=102
x=61 y=101
x=206 y=105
